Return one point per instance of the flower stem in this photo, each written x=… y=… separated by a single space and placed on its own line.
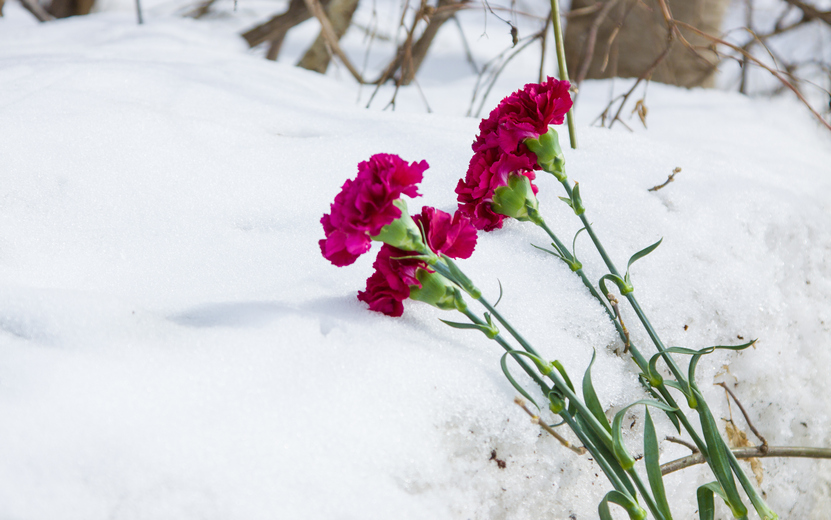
x=505 y=345
x=758 y=503
x=561 y=64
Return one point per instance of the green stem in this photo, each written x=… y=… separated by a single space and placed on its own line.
x=639 y=359
x=442 y=268
x=758 y=503
x=519 y=359
x=578 y=431
x=598 y=457
x=650 y=502
x=561 y=64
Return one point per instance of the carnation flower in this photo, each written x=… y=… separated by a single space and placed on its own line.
x=398 y=271
x=525 y=113
x=366 y=204
x=489 y=169
x=499 y=150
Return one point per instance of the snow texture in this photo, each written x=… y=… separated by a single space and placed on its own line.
x=173 y=346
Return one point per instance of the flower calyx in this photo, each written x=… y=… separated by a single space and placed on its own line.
x=438 y=291
x=403 y=233
x=575 y=202
x=517 y=200
x=549 y=154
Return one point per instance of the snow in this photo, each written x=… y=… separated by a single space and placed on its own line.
x=172 y=344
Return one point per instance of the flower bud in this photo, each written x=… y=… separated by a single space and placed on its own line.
x=437 y=291
x=516 y=200
x=549 y=154
x=403 y=233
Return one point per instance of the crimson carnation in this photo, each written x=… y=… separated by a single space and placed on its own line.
x=365 y=205
x=396 y=269
x=525 y=113
x=489 y=169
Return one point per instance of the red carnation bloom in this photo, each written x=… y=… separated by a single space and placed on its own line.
x=452 y=236
x=390 y=284
x=525 y=113
x=365 y=205
x=499 y=149
x=489 y=169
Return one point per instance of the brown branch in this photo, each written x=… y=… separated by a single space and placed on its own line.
x=277 y=27
x=682 y=442
x=777 y=74
x=591 y=41
x=750 y=453
x=669 y=179
x=810 y=11
x=37 y=11
x=536 y=420
x=764 y=446
x=331 y=38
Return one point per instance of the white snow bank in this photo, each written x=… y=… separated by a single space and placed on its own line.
x=172 y=344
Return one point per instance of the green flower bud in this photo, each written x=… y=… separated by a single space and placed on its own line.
x=516 y=200
x=437 y=291
x=404 y=233
x=549 y=154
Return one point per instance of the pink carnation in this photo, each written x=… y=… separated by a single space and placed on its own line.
x=489 y=169
x=499 y=150
x=525 y=113
x=452 y=236
x=365 y=205
x=390 y=284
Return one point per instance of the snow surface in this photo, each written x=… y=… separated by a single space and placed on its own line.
x=173 y=346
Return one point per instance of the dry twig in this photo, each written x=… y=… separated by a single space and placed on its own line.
x=671 y=178
x=536 y=419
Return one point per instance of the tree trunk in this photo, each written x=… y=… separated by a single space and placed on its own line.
x=340 y=13
x=276 y=28
x=67 y=8
x=633 y=34
x=410 y=60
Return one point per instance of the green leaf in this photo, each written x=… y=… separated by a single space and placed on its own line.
x=602 y=451
x=557 y=254
x=504 y=363
x=642 y=253
x=622 y=285
x=719 y=461
x=625 y=501
x=706 y=504
x=489 y=331
x=572 y=407
x=574 y=243
x=590 y=397
x=567 y=201
x=653 y=466
x=621 y=453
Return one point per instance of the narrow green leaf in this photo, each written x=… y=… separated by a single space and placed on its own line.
x=642 y=253
x=574 y=243
x=590 y=397
x=500 y=293
x=601 y=450
x=603 y=510
x=625 y=501
x=567 y=201
x=504 y=363
x=561 y=369
x=623 y=286
x=706 y=504
x=558 y=255
x=653 y=466
x=719 y=461
x=457 y=325
x=621 y=453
